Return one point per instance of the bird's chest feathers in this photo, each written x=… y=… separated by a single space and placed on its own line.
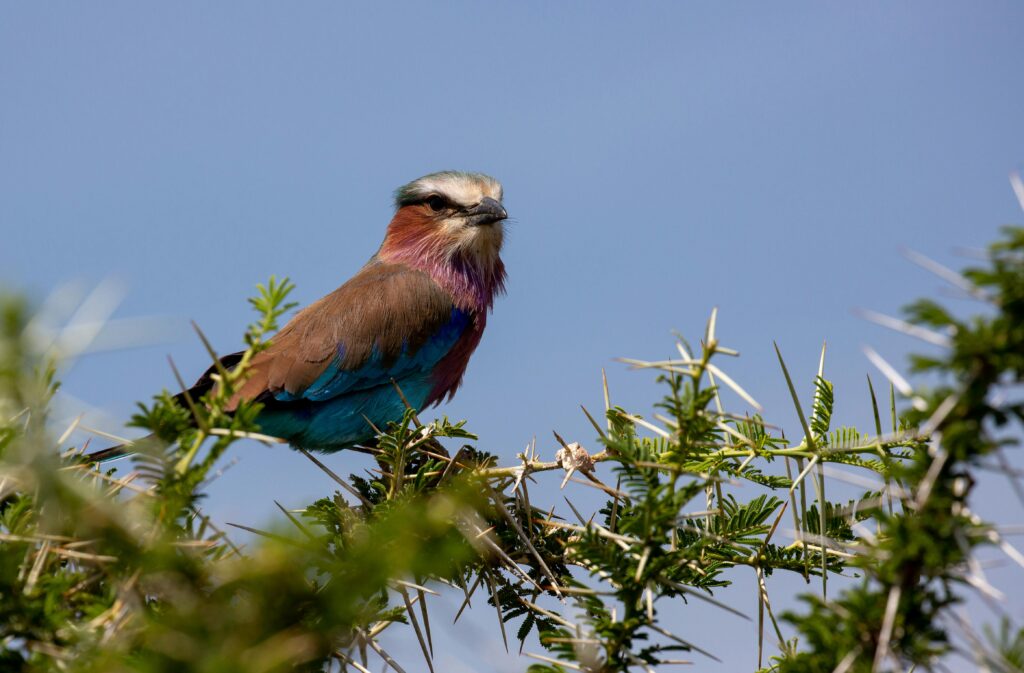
x=447 y=375
x=470 y=277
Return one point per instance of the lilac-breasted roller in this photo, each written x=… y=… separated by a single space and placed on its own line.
x=413 y=315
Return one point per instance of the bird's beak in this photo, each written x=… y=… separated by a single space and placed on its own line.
x=488 y=211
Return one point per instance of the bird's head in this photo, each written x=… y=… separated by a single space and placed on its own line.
x=459 y=213
x=449 y=219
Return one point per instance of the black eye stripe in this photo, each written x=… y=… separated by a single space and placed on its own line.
x=436 y=202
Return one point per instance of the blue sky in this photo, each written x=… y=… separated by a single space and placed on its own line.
x=658 y=160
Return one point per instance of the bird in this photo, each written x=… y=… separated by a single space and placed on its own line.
x=399 y=332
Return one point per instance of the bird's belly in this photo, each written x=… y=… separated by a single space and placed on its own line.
x=343 y=421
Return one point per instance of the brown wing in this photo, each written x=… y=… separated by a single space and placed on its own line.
x=388 y=306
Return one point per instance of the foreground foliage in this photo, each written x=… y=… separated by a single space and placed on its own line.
x=103 y=572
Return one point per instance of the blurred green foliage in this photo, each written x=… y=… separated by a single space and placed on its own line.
x=108 y=572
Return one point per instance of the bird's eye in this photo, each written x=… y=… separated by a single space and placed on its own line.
x=436 y=203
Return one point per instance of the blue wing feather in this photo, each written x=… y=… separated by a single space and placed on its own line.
x=336 y=381
x=341 y=407
x=325 y=381
x=346 y=420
